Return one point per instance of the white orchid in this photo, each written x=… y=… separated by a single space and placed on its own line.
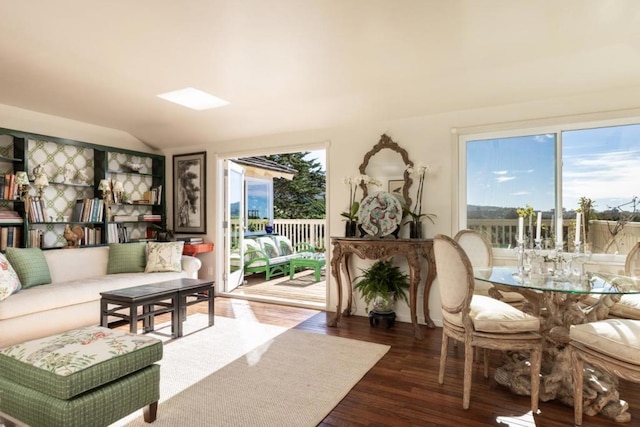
x=419 y=170
x=354 y=182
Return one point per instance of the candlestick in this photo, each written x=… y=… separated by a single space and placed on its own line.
x=559 y=232
x=578 y=224
x=539 y=226
x=520 y=229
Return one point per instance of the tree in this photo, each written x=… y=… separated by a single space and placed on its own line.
x=304 y=196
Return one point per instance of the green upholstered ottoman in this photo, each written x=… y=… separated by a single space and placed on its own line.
x=91 y=376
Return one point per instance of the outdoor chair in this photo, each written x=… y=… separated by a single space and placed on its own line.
x=612 y=345
x=270 y=255
x=478 y=249
x=479 y=321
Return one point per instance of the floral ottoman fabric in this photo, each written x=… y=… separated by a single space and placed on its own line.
x=73 y=362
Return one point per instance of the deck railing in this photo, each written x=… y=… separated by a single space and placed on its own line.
x=502 y=233
x=311 y=231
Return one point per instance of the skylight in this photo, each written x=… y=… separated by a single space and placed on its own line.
x=194 y=99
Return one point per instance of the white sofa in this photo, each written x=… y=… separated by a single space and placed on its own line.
x=72 y=299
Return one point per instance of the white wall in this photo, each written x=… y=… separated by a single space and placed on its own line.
x=45 y=124
x=426 y=138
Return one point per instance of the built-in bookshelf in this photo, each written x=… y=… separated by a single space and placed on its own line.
x=72 y=197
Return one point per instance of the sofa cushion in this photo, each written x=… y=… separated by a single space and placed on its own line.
x=268 y=246
x=9 y=281
x=164 y=256
x=31 y=266
x=127 y=258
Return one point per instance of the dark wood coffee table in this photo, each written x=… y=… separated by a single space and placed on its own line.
x=173 y=296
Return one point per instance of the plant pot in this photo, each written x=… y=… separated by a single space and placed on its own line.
x=415 y=229
x=351 y=228
x=384 y=303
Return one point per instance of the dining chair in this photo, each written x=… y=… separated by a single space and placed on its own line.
x=478 y=249
x=629 y=305
x=612 y=345
x=479 y=321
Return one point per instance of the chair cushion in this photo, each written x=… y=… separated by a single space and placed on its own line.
x=31 y=266
x=79 y=360
x=494 y=316
x=617 y=338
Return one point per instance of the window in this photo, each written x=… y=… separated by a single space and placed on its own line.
x=509 y=173
x=259 y=203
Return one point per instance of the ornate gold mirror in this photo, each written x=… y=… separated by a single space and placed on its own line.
x=387 y=159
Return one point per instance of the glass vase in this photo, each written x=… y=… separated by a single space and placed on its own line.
x=415 y=229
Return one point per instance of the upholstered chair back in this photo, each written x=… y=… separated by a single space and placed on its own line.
x=632 y=263
x=455 y=274
x=476 y=246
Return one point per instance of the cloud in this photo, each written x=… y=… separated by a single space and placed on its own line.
x=500 y=172
x=501 y=179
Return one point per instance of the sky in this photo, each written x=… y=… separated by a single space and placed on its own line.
x=602 y=164
x=320 y=156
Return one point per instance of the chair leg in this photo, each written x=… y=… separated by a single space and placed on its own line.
x=443 y=356
x=577 y=366
x=535 y=378
x=486 y=354
x=468 y=372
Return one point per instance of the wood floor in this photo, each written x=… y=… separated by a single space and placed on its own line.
x=403 y=390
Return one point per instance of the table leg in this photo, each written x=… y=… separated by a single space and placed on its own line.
x=148 y=318
x=104 y=308
x=176 y=317
x=211 y=296
x=292 y=271
x=133 y=318
x=316 y=271
x=414 y=281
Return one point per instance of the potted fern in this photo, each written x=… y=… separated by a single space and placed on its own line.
x=382 y=284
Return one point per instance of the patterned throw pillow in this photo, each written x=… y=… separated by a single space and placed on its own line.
x=269 y=247
x=9 y=281
x=31 y=266
x=127 y=257
x=164 y=256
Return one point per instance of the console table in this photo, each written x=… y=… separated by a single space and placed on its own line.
x=414 y=250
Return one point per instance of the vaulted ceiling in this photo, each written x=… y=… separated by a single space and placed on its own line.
x=288 y=65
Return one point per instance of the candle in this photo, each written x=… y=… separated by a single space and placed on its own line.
x=539 y=226
x=520 y=229
x=559 y=231
x=578 y=224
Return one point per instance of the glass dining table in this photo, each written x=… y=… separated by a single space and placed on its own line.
x=561 y=301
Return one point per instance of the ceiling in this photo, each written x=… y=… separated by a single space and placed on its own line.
x=289 y=65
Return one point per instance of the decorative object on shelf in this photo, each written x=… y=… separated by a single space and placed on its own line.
x=189 y=184
x=380 y=214
x=118 y=189
x=133 y=167
x=73 y=236
x=82 y=177
x=381 y=285
x=415 y=223
x=40 y=182
x=69 y=173
x=22 y=181
x=37 y=171
x=351 y=216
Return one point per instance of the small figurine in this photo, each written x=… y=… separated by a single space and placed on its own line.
x=73 y=236
x=37 y=171
x=82 y=177
x=69 y=173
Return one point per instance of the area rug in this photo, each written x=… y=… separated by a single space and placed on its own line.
x=294 y=379
x=203 y=350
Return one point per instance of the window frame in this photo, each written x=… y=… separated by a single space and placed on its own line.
x=555 y=126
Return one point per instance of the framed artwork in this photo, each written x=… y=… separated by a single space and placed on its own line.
x=189 y=189
x=395 y=186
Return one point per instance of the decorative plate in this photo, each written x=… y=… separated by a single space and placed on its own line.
x=380 y=214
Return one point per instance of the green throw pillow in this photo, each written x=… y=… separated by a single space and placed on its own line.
x=31 y=266
x=127 y=258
